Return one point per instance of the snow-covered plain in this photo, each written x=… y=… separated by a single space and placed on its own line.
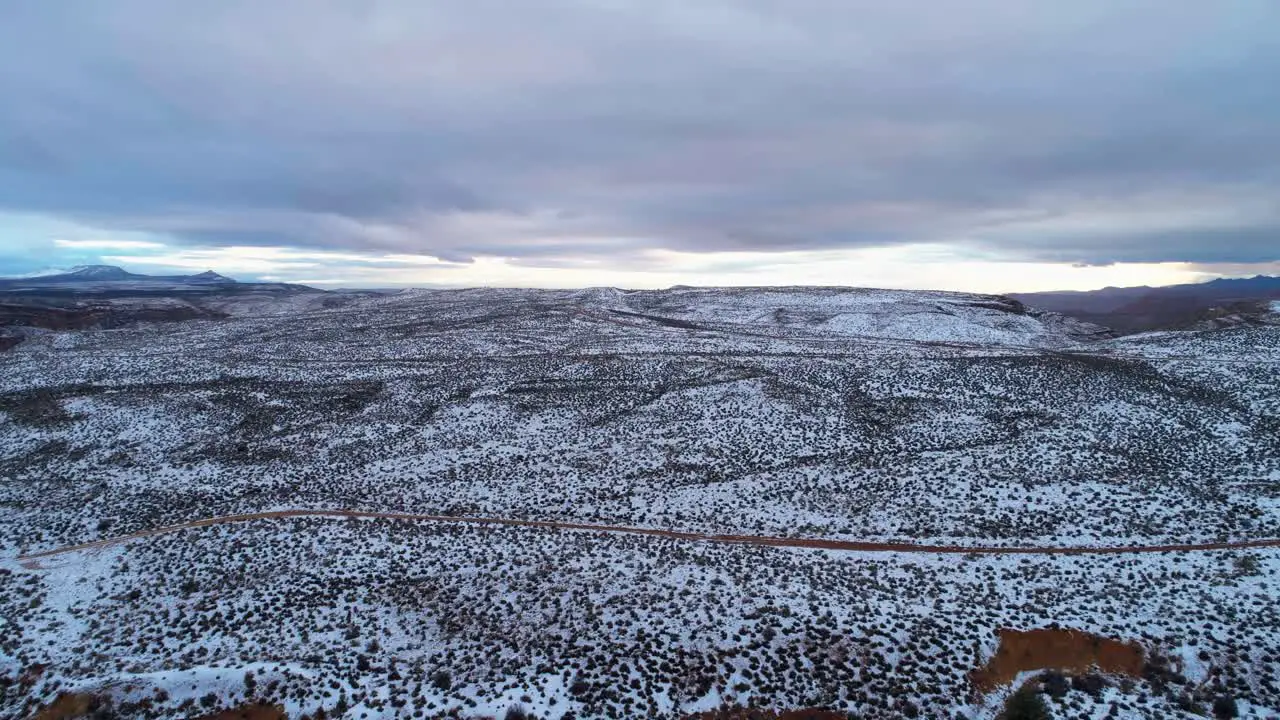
x=861 y=414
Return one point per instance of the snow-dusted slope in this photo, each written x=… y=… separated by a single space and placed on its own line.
x=856 y=312
x=888 y=416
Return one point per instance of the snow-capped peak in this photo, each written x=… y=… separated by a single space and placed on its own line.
x=99 y=272
x=210 y=276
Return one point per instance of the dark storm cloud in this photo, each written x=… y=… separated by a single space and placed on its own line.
x=1090 y=132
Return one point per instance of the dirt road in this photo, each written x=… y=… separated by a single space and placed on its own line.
x=761 y=540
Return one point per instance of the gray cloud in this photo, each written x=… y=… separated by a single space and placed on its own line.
x=549 y=132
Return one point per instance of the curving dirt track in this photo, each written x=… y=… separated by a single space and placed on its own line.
x=761 y=540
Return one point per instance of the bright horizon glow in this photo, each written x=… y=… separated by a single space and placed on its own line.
x=60 y=244
x=887 y=268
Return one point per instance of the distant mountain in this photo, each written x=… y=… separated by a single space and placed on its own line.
x=112 y=274
x=106 y=296
x=108 y=281
x=1138 y=309
x=209 y=276
x=93 y=272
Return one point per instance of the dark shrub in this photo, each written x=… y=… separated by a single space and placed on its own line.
x=442 y=680
x=1091 y=683
x=1225 y=707
x=1025 y=705
x=1055 y=684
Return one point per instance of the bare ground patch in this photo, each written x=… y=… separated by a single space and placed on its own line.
x=68 y=706
x=253 y=711
x=1056 y=649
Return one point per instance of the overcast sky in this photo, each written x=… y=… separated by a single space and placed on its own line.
x=992 y=145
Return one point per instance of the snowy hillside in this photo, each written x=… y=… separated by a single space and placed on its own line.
x=512 y=424
x=855 y=312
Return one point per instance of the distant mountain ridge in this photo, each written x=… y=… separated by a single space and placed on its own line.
x=105 y=281
x=1139 y=309
x=106 y=296
x=111 y=273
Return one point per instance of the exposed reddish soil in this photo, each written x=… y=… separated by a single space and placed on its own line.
x=67 y=706
x=738 y=713
x=811 y=714
x=1055 y=649
x=32 y=674
x=250 y=712
x=30 y=560
x=74 y=706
